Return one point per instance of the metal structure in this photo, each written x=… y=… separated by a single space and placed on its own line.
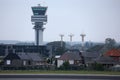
x=39 y=18
x=82 y=36
x=61 y=36
x=71 y=36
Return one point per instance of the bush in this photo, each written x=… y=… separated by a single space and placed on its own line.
x=65 y=66
x=97 y=66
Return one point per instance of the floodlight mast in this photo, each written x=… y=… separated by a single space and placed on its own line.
x=61 y=36
x=82 y=36
x=71 y=37
x=39 y=18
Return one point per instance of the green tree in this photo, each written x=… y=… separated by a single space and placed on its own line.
x=109 y=44
x=60 y=51
x=97 y=66
x=65 y=66
x=56 y=48
x=95 y=48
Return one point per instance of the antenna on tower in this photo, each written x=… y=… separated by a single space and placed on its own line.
x=61 y=36
x=42 y=3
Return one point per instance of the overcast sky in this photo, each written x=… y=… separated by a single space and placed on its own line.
x=98 y=19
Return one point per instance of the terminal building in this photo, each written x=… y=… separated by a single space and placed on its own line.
x=5 y=49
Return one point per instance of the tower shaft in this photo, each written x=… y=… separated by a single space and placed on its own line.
x=39 y=36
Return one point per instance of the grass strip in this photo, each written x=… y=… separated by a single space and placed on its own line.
x=57 y=72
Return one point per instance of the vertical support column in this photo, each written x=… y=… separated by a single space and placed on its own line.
x=38 y=35
x=41 y=37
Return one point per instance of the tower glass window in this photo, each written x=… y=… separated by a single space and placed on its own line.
x=39 y=10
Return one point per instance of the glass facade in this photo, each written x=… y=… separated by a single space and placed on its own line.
x=39 y=10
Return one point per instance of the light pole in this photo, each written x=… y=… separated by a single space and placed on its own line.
x=61 y=36
x=71 y=36
x=82 y=36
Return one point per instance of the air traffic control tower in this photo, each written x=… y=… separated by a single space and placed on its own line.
x=39 y=18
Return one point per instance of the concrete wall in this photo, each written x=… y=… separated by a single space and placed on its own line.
x=39 y=37
x=60 y=62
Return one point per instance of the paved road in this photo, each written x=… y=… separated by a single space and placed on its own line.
x=57 y=77
x=45 y=79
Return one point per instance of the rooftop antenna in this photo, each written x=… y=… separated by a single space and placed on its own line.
x=61 y=35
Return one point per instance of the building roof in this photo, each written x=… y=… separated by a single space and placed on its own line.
x=30 y=56
x=11 y=56
x=24 y=56
x=57 y=56
x=70 y=56
x=90 y=54
x=113 y=52
x=105 y=60
x=35 y=56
